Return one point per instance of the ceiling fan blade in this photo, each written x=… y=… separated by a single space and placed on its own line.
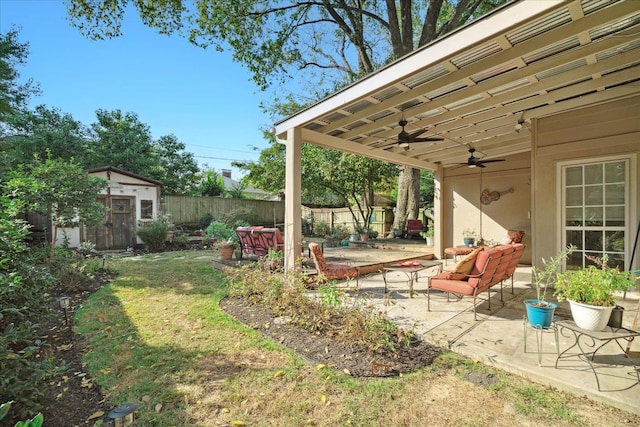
x=491 y=161
x=428 y=139
x=416 y=133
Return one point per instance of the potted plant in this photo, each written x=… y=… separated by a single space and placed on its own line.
x=274 y=259
x=540 y=311
x=428 y=236
x=469 y=235
x=590 y=292
x=363 y=231
x=223 y=237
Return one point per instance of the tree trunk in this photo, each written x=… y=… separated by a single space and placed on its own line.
x=408 y=202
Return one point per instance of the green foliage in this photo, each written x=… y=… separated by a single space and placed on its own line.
x=220 y=233
x=154 y=234
x=175 y=168
x=13 y=95
x=23 y=303
x=238 y=190
x=205 y=221
x=238 y=217
x=46 y=132
x=209 y=183
x=59 y=189
x=594 y=284
x=271 y=39
x=340 y=232
x=321 y=229
x=286 y=295
x=36 y=421
x=268 y=172
x=180 y=241
x=543 y=277
x=73 y=270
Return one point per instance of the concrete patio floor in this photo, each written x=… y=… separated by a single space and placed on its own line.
x=497 y=337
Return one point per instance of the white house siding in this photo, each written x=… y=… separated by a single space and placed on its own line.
x=594 y=133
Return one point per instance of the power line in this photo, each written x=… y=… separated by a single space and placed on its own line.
x=222 y=158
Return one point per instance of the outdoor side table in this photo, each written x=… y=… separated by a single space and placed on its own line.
x=588 y=343
x=411 y=269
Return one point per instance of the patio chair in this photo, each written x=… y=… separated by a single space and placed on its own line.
x=331 y=271
x=414 y=228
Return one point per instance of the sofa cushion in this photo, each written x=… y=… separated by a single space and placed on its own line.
x=515 y=236
x=462 y=269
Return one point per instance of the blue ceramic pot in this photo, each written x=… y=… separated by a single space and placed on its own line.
x=539 y=316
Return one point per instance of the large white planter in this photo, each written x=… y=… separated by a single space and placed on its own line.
x=591 y=317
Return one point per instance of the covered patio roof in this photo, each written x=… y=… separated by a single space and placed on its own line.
x=482 y=85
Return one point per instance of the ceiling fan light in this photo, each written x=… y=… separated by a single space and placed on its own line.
x=403 y=145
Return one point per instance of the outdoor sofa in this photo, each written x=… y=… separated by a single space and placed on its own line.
x=478 y=272
x=257 y=240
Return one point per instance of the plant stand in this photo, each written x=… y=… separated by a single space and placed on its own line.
x=539 y=334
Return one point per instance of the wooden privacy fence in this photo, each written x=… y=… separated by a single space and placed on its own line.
x=382 y=219
x=190 y=209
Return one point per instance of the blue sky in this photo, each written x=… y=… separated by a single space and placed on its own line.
x=201 y=96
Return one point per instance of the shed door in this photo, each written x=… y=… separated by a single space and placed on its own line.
x=117 y=230
x=123 y=220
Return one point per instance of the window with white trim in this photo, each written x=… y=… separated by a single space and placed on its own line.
x=595 y=211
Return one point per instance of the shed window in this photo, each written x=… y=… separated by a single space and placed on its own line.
x=146 y=209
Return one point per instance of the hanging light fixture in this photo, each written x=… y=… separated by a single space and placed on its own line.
x=123 y=415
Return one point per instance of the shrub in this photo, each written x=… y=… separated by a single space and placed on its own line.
x=72 y=270
x=181 y=241
x=321 y=229
x=205 y=221
x=154 y=234
x=239 y=216
x=23 y=293
x=285 y=294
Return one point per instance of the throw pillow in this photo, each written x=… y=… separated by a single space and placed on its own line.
x=515 y=236
x=464 y=266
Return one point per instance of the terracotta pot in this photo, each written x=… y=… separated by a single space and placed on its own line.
x=226 y=252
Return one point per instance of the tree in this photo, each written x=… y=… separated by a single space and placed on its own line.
x=121 y=140
x=13 y=96
x=44 y=132
x=59 y=189
x=327 y=43
x=209 y=183
x=268 y=172
x=354 y=179
x=176 y=169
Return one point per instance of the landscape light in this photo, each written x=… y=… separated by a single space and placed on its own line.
x=65 y=302
x=123 y=415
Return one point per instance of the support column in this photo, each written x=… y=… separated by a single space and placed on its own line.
x=293 y=199
x=438 y=213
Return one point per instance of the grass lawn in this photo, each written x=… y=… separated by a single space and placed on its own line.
x=156 y=336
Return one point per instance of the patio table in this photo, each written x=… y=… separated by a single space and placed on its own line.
x=588 y=343
x=411 y=269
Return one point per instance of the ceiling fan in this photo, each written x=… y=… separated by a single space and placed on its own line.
x=474 y=162
x=405 y=138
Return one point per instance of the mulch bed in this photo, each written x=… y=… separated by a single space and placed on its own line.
x=358 y=360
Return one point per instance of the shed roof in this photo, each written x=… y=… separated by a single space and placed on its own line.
x=123 y=172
